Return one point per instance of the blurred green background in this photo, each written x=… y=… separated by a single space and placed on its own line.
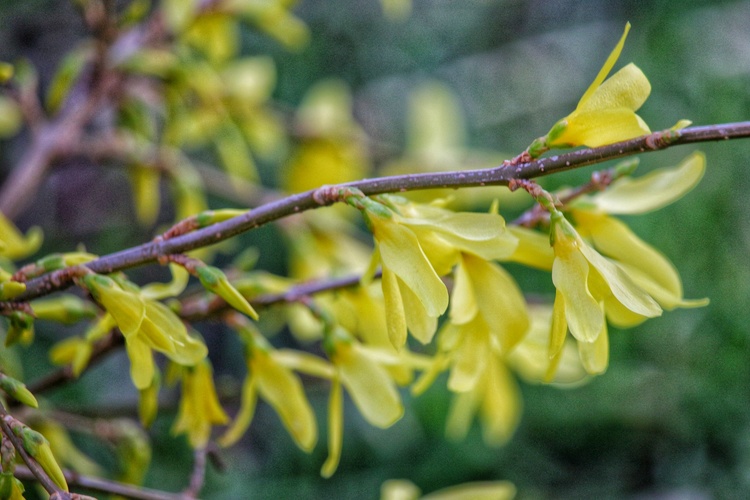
x=671 y=417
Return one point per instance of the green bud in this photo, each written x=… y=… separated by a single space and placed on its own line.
x=626 y=167
x=17 y=390
x=38 y=447
x=210 y=217
x=538 y=147
x=67 y=309
x=214 y=279
x=21 y=328
x=11 y=289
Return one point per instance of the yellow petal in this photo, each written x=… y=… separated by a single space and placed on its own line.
x=283 y=390
x=394 y=306
x=244 y=416
x=489 y=490
x=623 y=288
x=463 y=300
x=582 y=312
x=600 y=127
x=500 y=301
x=501 y=406
x=471 y=357
x=401 y=253
x=533 y=248
x=652 y=191
x=335 y=429
x=421 y=325
x=608 y=64
x=595 y=355
x=628 y=88
x=369 y=385
x=141 y=362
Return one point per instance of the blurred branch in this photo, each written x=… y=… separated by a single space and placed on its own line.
x=159 y=248
x=105 y=486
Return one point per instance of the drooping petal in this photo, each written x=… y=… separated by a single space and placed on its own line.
x=582 y=313
x=463 y=299
x=394 y=307
x=421 y=325
x=501 y=406
x=141 y=362
x=244 y=416
x=335 y=429
x=499 y=300
x=283 y=390
x=595 y=355
x=400 y=251
x=470 y=357
x=369 y=385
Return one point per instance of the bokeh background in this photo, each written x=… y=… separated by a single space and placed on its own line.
x=671 y=417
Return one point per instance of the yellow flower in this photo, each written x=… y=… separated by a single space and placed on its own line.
x=199 y=405
x=585 y=280
x=484 y=289
x=606 y=112
x=146 y=324
x=281 y=388
x=403 y=489
x=496 y=397
x=368 y=383
x=645 y=265
x=530 y=358
x=14 y=245
x=417 y=245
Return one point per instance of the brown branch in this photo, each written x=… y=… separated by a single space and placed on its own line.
x=36 y=470
x=501 y=175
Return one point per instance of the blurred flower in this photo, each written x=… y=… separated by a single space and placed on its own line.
x=368 y=383
x=403 y=489
x=278 y=386
x=14 y=245
x=606 y=112
x=199 y=405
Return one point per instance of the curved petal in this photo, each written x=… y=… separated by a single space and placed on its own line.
x=628 y=88
x=283 y=390
x=421 y=325
x=394 y=308
x=622 y=287
x=500 y=301
x=470 y=358
x=599 y=127
x=369 y=385
x=653 y=190
x=606 y=68
x=595 y=355
x=582 y=311
x=463 y=299
x=401 y=253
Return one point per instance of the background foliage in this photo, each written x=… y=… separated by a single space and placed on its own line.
x=670 y=417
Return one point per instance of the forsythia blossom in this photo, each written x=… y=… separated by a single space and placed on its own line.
x=415 y=245
x=606 y=112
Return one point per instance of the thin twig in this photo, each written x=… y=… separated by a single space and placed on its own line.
x=38 y=472
x=501 y=175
